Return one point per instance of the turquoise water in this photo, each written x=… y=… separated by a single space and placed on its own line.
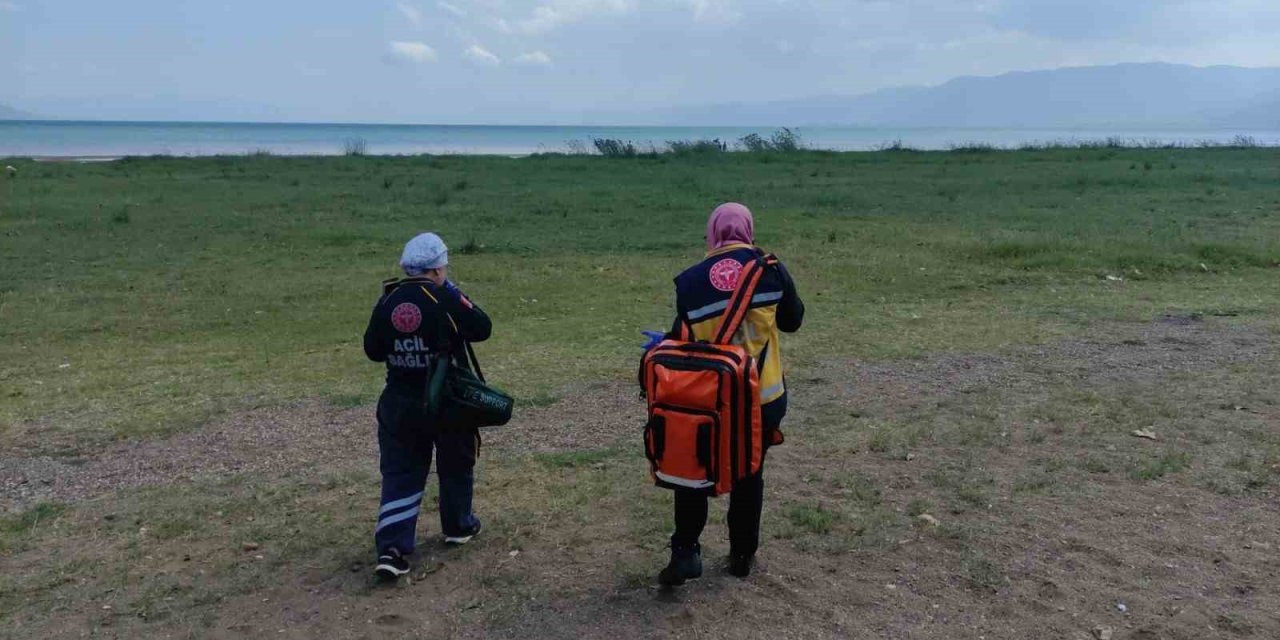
x=110 y=139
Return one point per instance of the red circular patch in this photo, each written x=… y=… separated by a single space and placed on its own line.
x=724 y=274
x=406 y=317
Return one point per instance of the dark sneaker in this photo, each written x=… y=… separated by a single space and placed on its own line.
x=391 y=565
x=466 y=537
x=685 y=565
x=740 y=564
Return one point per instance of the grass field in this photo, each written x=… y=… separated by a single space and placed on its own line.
x=180 y=374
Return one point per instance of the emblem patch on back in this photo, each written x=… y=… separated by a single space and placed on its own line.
x=724 y=274
x=406 y=317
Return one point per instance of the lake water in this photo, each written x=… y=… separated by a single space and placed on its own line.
x=110 y=139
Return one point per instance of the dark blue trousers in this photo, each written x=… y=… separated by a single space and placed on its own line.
x=406 y=439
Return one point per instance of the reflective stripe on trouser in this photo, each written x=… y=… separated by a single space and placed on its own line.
x=398 y=511
x=406 y=442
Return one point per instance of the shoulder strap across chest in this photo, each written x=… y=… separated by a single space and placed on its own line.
x=740 y=301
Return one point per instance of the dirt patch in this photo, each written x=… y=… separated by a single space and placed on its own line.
x=1047 y=517
x=288 y=439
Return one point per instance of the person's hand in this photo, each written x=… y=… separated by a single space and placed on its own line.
x=436 y=277
x=652 y=339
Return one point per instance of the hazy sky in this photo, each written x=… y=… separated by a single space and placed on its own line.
x=531 y=60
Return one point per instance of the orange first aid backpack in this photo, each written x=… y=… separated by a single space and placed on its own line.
x=704 y=430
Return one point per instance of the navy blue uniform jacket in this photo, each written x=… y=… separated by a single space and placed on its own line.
x=415 y=319
x=703 y=292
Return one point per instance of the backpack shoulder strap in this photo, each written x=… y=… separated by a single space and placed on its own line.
x=459 y=351
x=686 y=334
x=740 y=301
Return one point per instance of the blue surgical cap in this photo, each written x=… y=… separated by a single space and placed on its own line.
x=424 y=252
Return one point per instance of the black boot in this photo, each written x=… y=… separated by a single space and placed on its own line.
x=685 y=565
x=740 y=564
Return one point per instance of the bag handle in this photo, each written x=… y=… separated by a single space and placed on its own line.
x=472 y=362
x=740 y=302
x=475 y=362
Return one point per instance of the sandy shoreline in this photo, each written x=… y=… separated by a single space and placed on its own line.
x=112 y=158
x=74 y=158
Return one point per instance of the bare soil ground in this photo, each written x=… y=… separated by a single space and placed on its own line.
x=1047 y=517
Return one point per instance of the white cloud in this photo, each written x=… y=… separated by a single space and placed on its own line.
x=410 y=13
x=534 y=59
x=452 y=9
x=633 y=55
x=714 y=11
x=544 y=19
x=560 y=12
x=479 y=55
x=410 y=52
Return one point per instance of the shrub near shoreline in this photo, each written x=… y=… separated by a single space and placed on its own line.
x=782 y=141
x=787 y=140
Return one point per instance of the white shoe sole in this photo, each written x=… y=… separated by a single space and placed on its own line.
x=458 y=539
x=389 y=571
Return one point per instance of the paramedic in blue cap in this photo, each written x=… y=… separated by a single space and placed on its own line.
x=419 y=317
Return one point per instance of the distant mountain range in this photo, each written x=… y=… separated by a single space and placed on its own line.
x=1135 y=95
x=1142 y=95
x=146 y=108
x=9 y=113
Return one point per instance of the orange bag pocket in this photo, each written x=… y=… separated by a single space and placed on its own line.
x=679 y=443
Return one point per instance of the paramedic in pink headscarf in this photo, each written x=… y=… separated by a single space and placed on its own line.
x=730 y=223
x=702 y=292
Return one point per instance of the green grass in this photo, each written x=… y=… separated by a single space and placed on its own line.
x=112 y=556
x=982 y=573
x=1158 y=466
x=146 y=295
x=176 y=289
x=918 y=506
x=17 y=529
x=572 y=459
x=811 y=518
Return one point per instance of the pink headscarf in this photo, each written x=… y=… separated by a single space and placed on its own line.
x=730 y=223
